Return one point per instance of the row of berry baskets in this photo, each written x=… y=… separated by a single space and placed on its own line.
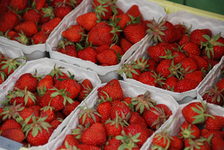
x=63 y=105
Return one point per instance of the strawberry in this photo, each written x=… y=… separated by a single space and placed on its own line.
x=70 y=107
x=180 y=31
x=96 y=130
x=219 y=85
x=120 y=109
x=87 y=147
x=189 y=131
x=114 y=127
x=184 y=85
x=68 y=50
x=162 y=140
x=27 y=113
x=189 y=64
x=197 y=36
x=124 y=19
x=117 y=49
x=155 y=52
x=73 y=33
x=134 y=11
x=137 y=119
x=18 y=4
x=112 y=144
x=104 y=109
x=86 y=88
x=88 y=54
x=8 y=20
x=195 y=113
x=62 y=10
x=214 y=123
x=112 y=89
x=217 y=143
x=27 y=81
x=47 y=112
x=185 y=39
x=165 y=108
x=89 y=116
x=104 y=9
x=87 y=20
x=29 y=28
x=107 y=58
x=38 y=4
x=70 y=139
x=170 y=83
x=10 y=124
x=8 y=66
x=178 y=56
x=14 y=134
x=102 y=48
x=32 y=15
x=134 y=32
x=191 y=49
x=45 y=84
x=195 y=76
x=47 y=13
x=164 y=67
x=200 y=143
x=213 y=96
x=150 y=78
x=39 y=37
x=125 y=44
x=55 y=123
x=11 y=111
x=50 y=25
x=176 y=143
x=201 y=62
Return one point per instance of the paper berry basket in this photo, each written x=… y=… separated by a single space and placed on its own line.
x=193 y=22
x=106 y=73
x=129 y=90
x=43 y=67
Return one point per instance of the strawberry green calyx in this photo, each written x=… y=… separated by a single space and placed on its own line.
x=187 y=133
x=215 y=94
x=62 y=93
x=117 y=121
x=177 y=70
x=77 y=132
x=56 y=71
x=141 y=64
x=201 y=111
x=128 y=141
x=48 y=12
x=158 y=78
x=69 y=147
x=22 y=38
x=63 y=43
x=3 y=75
x=196 y=144
x=36 y=126
x=88 y=112
x=161 y=140
x=143 y=102
x=161 y=119
x=128 y=70
x=11 y=111
x=105 y=98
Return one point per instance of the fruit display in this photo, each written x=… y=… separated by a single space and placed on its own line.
x=31 y=21
x=8 y=66
x=197 y=127
x=115 y=117
x=37 y=103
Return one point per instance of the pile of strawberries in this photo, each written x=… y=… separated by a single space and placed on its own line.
x=103 y=35
x=31 y=21
x=179 y=60
x=199 y=131
x=215 y=94
x=117 y=121
x=37 y=105
x=8 y=66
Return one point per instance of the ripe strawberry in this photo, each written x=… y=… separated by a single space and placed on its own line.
x=89 y=116
x=106 y=33
x=201 y=62
x=27 y=81
x=47 y=112
x=55 y=123
x=137 y=119
x=220 y=85
x=88 y=54
x=124 y=19
x=185 y=39
x=104 y=109
x=47 y=13
x=10 y=124
x=68 y=50
x=114 y=127
x=39 y=37
x=32 y=15
x=107 y=58
x=125 y=44
x=165 y=108
x=38 y=4
x=195 y=112
x=120 y=109
x=50 y=25
x=71 y=86
x=164 y=67
x=112 y=144
x=29 y=28
x=180 y=31
x=155 y=52
x=213 y=96
x=70 y=107
x=70 y=139
x=18 y=4
x=134 y=11
x=86 y=88
x=184 y=85
x=112 y=89
x=150 y=78
x=189 y=131
x=87 y=147
x=197 y=36
x=45 y=84
x=161 y=139
x=87 y=20
x=217 y=143
x=191 y=49
x=178 y=56
x=14 y=134
x=155 y=117
x=189 y=64
x=134 y=32
x=8 y=20
x=27 y=113
x=9 y=65
x=102 y=48
x=104 y=9
x=117 y=49
x=73 y=33
x=196 y=76
x=96 y=130
x=62 y=10
x=11 y=111
x=170 y=83
x=200 y=143
x=214 y=123
x=176 y=143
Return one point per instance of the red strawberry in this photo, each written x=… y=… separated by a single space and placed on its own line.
x=214 y=123
x=104 y=109
x=191 y=49
x=8 y=20
x=39 y=4
x=87 y=147
x=86 y=88
x=176 y=143
x=134 y=11
x=184 y=85
x=10 y=124
x=197 y=36
x=120 y=109
x=104 y=10
x=27 y=81
x=150 y=78
x=88 y=54
x=195 y=112
x=29 y=28
x=39 y=37
x=50 y=25
x=18 y=4
x=102 y=48
x=107 y=58
x=164 y=67
x=114 y=127
x=189 y=64
x=70 y=107
x=32 y=15
x=170 y=83
x=9 y=65
x=112 y=144
x=96 y=130
x=73 y=33
x=195 y=76
x=70 y=139
x=68 y=50
x=185 y=39
x=117 y=49
x=112 y=89
x=10 y=111
x=47 y=112
x=180 y=31
x=137 y=119
x=220 y=85
x=188 y=131
x=55 y=123
x=134 y=32
x=47 y=13
x=89 y=116
x=27 y=113
x=200 y=143
x=62 y=10
x=14 y=134
x=124 y=19
x=125 y=44
x=45 y=84
x=162 y=140
x=165 y=108
x=155 y=52
x=213 y=96
x=201 y=62
x=87 y=20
